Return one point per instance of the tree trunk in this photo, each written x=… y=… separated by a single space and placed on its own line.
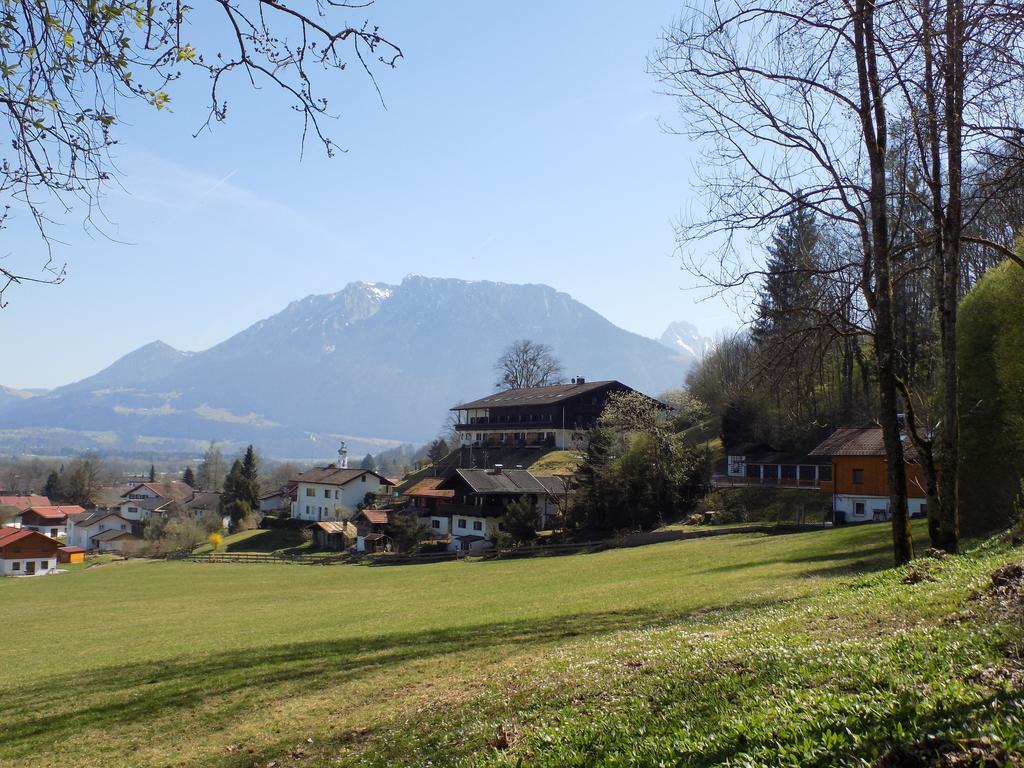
x=902 y=539
x=949 y=446
x=878 y=260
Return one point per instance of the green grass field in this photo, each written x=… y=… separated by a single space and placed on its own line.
x=610 y=658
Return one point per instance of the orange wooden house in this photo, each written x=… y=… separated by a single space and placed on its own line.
x=859 y=486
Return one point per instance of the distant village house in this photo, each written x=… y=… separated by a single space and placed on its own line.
x=860 y=483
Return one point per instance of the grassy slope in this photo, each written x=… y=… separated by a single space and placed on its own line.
x=260 y=540
x=191 y=664
x=557 y=463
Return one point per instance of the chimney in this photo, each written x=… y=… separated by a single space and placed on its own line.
x=497 y=469
x=343 y=456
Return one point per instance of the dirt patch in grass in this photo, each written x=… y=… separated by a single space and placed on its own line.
x=1005 y=594
x=940 y=752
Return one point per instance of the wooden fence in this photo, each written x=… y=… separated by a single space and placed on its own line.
x=541 y=550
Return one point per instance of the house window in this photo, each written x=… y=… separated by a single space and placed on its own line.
x=477 y=525
x=363 y=478
x=307 y=509
x=311 y=492
x=462 y=523
x=858 y=508
x=858 y=477
x=435 y=523
x=15 y=566
x=335 y=494
x=327 y=493
x=42 y=565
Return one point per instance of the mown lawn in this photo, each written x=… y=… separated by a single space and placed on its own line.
x=570 y=660
x=281 y=540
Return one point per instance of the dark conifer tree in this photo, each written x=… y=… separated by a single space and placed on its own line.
x=189 y=477
x=54 y=488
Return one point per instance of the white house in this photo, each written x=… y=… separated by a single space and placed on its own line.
x=82 y=530
x=26 y=553
x=332 y=493
x=140 y=500
x=474 y=532
x=50 y=520
x=115 y=541
x=279 y=501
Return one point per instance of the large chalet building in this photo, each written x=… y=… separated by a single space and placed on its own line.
x=859 y=482
x=479 y=501
x=554 y=416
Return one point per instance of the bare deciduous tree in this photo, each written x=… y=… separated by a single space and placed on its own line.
x=526 y=363
x=67 y=67
x=826 y=105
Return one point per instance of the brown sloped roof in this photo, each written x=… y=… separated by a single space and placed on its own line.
x=331 y=475
x=112 y=533
x=208 y=500
x=554 y=393
x=428 y=489
x=859 y=441
x=169 y=489
x=346 y=528
x=375 y=516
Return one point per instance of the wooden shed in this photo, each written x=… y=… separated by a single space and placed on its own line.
x=332 y=535
x=70 y=555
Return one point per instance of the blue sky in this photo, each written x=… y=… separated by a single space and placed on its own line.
x=520 y=143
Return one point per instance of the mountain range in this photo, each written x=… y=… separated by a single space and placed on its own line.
x=372 y=364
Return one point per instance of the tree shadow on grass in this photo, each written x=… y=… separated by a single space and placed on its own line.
x=114 y=695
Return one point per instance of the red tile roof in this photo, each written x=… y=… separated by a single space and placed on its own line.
x=18 y=535
x=56 y=512
x=8 y=531
x=24 y=502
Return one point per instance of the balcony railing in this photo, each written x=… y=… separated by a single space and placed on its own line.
x=518 y=426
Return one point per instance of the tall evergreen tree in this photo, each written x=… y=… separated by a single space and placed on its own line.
x=788 y=296
x=251 y=478
x=368 y=462
x=152 y=473
x=54 y=488
x=189 y=477
x=234 y=499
